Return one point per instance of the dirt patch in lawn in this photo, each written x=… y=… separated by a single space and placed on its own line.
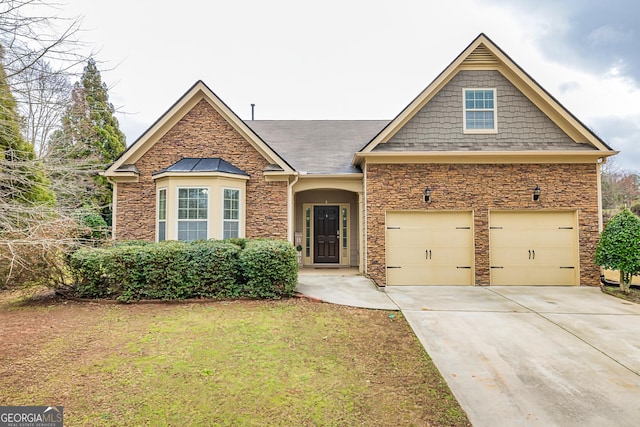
x=288 y=362
x=633 y=295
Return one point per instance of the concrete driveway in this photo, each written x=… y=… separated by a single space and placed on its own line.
x=531 y=356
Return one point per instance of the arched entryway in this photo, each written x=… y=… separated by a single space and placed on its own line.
x=327 y=227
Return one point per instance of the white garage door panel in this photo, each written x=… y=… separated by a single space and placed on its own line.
x=429 y=248
x=534 y=248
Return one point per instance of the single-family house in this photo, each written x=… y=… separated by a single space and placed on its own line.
x=483 y=179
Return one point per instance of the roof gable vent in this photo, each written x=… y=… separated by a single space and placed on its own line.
x=481 y=55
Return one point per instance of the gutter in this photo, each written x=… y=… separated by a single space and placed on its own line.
x=484 y=157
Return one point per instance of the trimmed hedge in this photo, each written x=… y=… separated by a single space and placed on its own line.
x=269 y=268
x=177 y=270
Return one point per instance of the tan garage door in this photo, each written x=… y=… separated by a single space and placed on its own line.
x=429 y=248
x=533 y=248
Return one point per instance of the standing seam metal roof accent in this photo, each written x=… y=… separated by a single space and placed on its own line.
x=205 y=164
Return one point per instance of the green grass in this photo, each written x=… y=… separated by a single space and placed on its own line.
x=289 y=362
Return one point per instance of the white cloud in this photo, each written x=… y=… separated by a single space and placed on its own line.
x=355 y=59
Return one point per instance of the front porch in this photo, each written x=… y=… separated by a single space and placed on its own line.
x=328 y=271
x=328 y=228
x=344 y=286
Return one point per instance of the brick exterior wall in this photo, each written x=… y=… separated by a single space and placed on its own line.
x=438 y=125
x=482 y=188
x=202 y=132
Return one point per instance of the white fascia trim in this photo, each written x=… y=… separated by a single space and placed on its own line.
x=199 y=174
x=484 y=156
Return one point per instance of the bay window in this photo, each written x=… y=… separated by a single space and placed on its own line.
x=202 y=208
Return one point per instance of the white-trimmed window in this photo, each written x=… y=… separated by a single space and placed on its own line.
x=192 y=208
x=480 y=110
x=193 y=213
x=162 y=214
x=230 y=213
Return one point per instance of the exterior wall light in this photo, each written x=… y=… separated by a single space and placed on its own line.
x=427 y=195
x=536 y=194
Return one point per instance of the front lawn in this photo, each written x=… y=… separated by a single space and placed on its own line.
x=288 y=362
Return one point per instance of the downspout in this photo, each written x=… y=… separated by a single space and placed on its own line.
x=599 y=164
x=362 y=202
x=291 y=208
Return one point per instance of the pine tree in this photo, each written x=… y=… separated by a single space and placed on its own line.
x=22 y=178
x=91 y=131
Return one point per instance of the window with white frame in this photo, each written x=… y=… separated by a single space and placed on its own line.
x=162 y=214
x=480 y=110
x=193 y=210
x=231 y=213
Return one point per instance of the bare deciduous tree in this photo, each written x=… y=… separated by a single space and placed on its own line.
x=620 y=188
x=40 y=49
x=35 y=236
x=34 y=30
x=43 y=96
x=42 y=52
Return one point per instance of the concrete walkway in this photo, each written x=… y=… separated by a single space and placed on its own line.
x=343 y=287
x=518 y=356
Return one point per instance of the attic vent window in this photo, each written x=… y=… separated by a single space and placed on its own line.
x=480 y=111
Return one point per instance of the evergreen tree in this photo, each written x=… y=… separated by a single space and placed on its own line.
x=91 y=131
x=619 y=247
x=21 y=176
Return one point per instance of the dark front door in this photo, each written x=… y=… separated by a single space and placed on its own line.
x=325 y=234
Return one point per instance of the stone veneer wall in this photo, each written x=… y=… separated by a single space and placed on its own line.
x=202 y=132
x=482 y=188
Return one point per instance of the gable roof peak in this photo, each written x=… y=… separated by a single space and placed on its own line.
x=483 y=54
x=197 y=92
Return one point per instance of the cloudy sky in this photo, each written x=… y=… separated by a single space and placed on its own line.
x=353 y=59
